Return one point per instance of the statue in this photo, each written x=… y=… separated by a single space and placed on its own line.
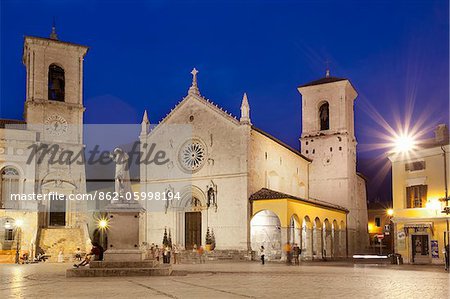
x=122 y=183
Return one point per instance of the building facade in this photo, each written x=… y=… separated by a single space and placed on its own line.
x=419 y=189
x=222 y=165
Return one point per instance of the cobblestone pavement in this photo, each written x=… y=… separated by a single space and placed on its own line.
x=232 y=280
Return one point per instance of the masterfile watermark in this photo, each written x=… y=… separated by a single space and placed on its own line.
x=56 y=154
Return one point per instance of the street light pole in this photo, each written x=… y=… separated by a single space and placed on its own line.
x=18 y=245
x=446 y=210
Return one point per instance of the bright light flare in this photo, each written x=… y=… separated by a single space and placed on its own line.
x=103 y=223
x=404 y=143
x=19 y=223
x=390 y=212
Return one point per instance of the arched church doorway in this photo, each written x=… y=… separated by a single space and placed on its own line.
x=307 y=238
x=265 y=230
x=294 y=231
x=193 y=225
x=327 y=239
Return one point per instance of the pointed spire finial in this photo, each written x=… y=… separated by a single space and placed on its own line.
x=327 y=73
x=53 y=35
x=194 y=87
x=245 y=110
x=145 y=123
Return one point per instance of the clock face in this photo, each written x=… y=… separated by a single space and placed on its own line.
x=56 y=125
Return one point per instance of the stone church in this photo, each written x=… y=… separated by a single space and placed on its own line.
x=248 y=188
x=236 y=184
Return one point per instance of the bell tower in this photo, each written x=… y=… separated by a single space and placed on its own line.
x=54 y=87
x=54 y=109
x=328 y=139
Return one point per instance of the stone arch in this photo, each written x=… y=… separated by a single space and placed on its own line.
x=11 y=180
x=335 y=238
x=265 y=230
x=7 y=232
x=295 y=230
x=190 y=217
x=307 y=238
x=317 y=238
x=56 y=83
x=327 y=239
x=324 y=116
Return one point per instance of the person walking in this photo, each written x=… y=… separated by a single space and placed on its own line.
x=200 y=252
x=296 y=253
x=262 y=254
x=288 y=252
x=175 y=254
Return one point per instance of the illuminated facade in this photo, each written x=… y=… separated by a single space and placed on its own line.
x=419 y=188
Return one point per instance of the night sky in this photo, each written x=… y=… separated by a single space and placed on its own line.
x=396 y=53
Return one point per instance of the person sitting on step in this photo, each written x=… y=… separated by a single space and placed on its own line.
x=96 y=254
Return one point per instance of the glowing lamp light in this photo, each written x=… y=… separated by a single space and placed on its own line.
x=404 y=143
x=103 y=223
x=390 y=212
x=433 y=205
x=19 y=223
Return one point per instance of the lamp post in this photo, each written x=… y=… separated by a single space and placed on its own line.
x=390 y=213
x=446 y=210
x=102 y=224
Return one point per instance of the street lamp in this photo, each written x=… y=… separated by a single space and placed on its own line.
x=404 y=143
x=446 y=209
x=102 y=225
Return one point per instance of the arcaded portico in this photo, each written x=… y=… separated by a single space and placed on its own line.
x=319 y=228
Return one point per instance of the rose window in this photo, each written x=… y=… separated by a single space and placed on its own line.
x=192 y=155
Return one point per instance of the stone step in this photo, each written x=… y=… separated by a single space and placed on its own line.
x=110 y=264
x=109 y=272
x=53 y=240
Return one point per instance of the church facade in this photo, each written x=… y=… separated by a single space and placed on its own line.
x=247 y=188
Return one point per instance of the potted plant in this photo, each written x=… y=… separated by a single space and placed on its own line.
x=208 y=241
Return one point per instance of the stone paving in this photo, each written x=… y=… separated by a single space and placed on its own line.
x=233 y=280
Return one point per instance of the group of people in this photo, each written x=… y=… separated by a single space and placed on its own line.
x=165 y=253
x=292 y=252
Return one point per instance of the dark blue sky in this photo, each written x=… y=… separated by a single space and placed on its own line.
x=396 y=53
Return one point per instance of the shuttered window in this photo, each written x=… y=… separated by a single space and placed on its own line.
x=416 y=196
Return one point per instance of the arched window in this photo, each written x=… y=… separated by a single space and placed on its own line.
x=56 y=83
x=9 y=184
x=324 y=116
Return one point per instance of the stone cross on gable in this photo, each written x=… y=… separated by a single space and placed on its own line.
x=194 y=88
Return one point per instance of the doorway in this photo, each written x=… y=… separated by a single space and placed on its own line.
x=57 y=211
x=193 y=229
x=420 y=249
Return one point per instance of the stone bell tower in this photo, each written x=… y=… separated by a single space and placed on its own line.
x=54 y=109
x=328 y=138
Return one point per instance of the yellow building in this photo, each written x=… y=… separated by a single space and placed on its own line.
x=319 y=228
x=379 y=220
x=419 y=190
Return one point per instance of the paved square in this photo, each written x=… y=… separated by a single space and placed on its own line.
x=232 y=280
